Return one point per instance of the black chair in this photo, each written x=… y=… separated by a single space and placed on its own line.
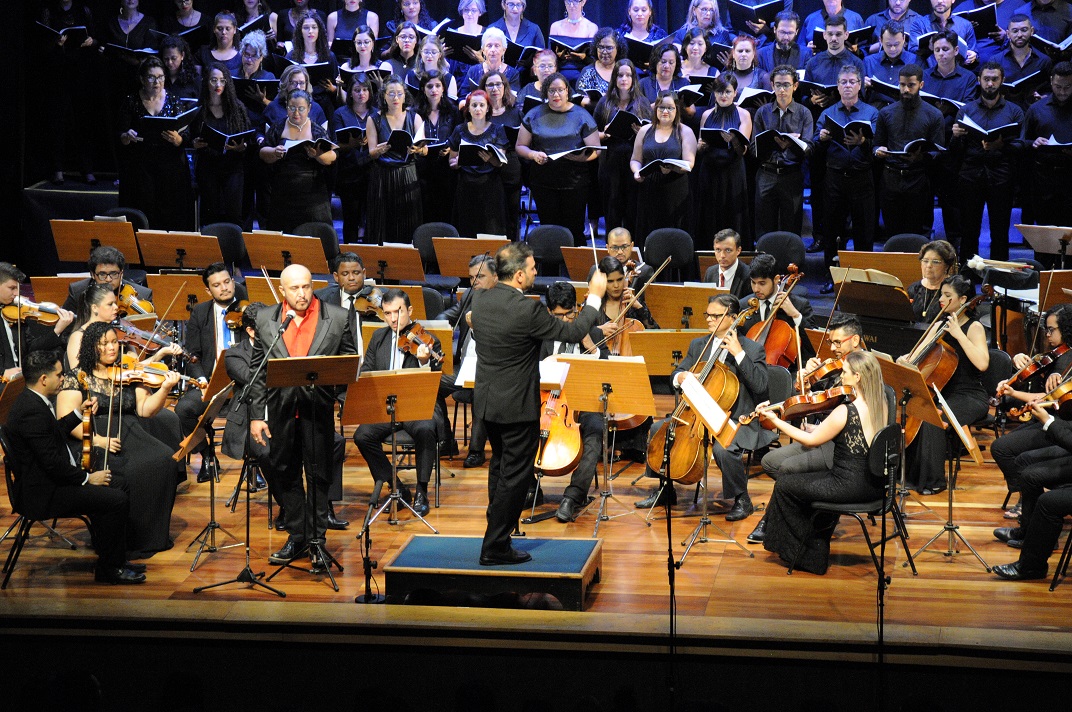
x=905 y=242
x=422 y=240
x=678 y=246
x=1000 y=369
x=325 y=232
x=464 y=398
x=406 y=457
x=786 y=247
x=132 y=215
x=232 y=244
x=547 y=242
x=433 y=304
x=1062 y=563
x=883 y=466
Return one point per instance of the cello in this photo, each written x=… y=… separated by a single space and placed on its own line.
x=559 y=448
x=779 y=339
x=684 y=428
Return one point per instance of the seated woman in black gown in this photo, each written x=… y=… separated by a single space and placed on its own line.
x=852 y=427
x=299 y=181
x=139 y=446
x=721 y=198
x=663 y=195
x=354 y=160
x=311 y=47
x=478 y=198
x=224 y=45
x=220 y=175
x=616 y=185
x=183 y=77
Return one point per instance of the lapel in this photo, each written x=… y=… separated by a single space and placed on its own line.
x=280 y=350
x=323 y=326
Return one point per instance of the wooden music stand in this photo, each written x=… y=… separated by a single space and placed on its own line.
x=873 y=293
x=260 y=290
x=52 y=289
x=579 y=261
x=816 y=337
x=189 y=287
x=219 y=378
x=75 y=239
x=453 y=253
x=675 y=307
x=1047 y=239
x=1052 y=294
x=391 y=263
x=8 y=393
x=902 y=265
x=663 y=349
x=275 y=251
x=182 y=250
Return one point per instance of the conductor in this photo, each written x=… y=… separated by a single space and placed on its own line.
x=509 y=330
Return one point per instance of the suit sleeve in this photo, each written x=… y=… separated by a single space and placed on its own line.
x=38 y=433
x=258 y=391
x=753 y=369
x=237 y=365
x=691 y=357
x=371 y=362
x=195 y=344
x=1060 y=433
x=548 y=328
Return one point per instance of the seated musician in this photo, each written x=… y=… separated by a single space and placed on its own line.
x=845 y=337
x=620 y=245
x=795 y=311
x=964 y=391
x=562 y=303
x=18 y=340
x=851 y=427
x=1028 y=444
x=744 y=359
x=937 y=260
x=730 y=273
x=384 y=354
x=348 y=271
x=106 y=266
x=481 y=276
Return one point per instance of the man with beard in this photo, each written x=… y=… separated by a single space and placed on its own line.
x=906 y=193
x=1021 y=60
x=784 y=49
x=987 y=168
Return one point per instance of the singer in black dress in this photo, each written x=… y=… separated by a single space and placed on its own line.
x=394 y=197
x=722 y=198
x=311 y=47
x=478 y=201
x=663 y=195
x=616 y=185
x=220 y=175
x=183 y=75
x=506 y=114
x=224 y=45
x=441 y=116
x=355 y=163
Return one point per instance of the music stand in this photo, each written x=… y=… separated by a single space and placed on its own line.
x=189 y=287
x=873 y=293
x=674 y=306
x=715 y=420
x=614 y=385
x=392 y=397
x=817 y=338
x=52 y=289
x=453 y=253
x=313 y=372
x=75 y=239
x=203 y=430
x=1052 y=284
x=276 y=251
x=579 y=260
x=184 y=250
x=663 y=349
x=391 y=262
x=902 y=265
x=1047 y=240
x=260 y=290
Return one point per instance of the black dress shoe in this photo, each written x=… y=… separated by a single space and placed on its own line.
x=534 y=498
x=420 y=503
x=333 y=521
x=756 y=537
x=118 y=575
x=280 y=521
x=815 y=246
x=634 y=455
x=668 y=496
x=1013 y=536
x=742 y=508
x=827 y=288
x=291 y=550
x=1014 y=572
x=474 y=459
x=448 y=448
x=202 y=473
x=568 y=509
x=136 y=568
x=509 y=557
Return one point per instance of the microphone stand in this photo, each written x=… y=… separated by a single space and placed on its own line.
x=367 y=563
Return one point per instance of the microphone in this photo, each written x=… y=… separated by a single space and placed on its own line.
x=286 y=322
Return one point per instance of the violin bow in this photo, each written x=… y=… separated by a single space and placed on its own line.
x=636 y=296
x=1042 y=317
x=271 y=286
x=160 y=322
x=826 y=329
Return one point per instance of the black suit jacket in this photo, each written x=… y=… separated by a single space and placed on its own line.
x=236 y=361
x=751 y=373
x=39 y=444
x=741 y=284
x=74 y=292
x=34 y=337
x=201 y=340
x=509 y=328
x=807 y=321
x=380 y=346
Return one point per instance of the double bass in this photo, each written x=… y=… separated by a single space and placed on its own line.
x=684 y=428
x=778 y=339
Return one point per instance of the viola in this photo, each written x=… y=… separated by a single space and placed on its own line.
x=1061 y=397
x=233 y=315
x=1036 y=365
x=778 y=338
x=147 y=340
x=129 y=303
x=25 y=310
x=87 y=436
x=802 y=406
x=826 y=368
x=414 y=336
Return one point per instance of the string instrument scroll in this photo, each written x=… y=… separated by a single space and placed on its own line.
x=779 y=339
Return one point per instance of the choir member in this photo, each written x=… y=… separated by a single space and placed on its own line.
x=221 y=175
x=432 y=58
x=183 y=74
x=785 y=49
x=352 y=181
x=616 y=184
x=597 y=76
x=705 y=15
x=817 y=21
x=440 y=116
x=1051 y=179
x=663 y=195
x=665 y=68
x=412 y=11
x=571 y=28
x=744 y=66
x=941 y=18
x=896 y=11
x=494 y=45
x=722 y=184
x=394 y=197
x=639 y=22
x=514 y=26
x=311 y=47
x=344 y=22
x=478 y=198
x=884 y=64
x=402 y=55
x=504 y=112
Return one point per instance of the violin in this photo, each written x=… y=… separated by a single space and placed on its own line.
x=150 y=375
x=1061 y=397
x=778 y=338
x=147 y=340
x=369 y=300
x=233 y=315
x=1036 y=365
x=87 y=435
x=24 y=310
x=129 y=303
x=414 y=336
x=826 y=368
x=802 y=406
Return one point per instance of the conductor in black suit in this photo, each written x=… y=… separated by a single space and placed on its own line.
x=730 y=272
x=18 y=340
x=106 y=266
x=795 y=311
x=50 y=484
x=509 y=329
x=284 y=417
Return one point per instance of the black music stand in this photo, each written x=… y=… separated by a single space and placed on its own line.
x=615 y=385
x=312 y=372
x=203 y=430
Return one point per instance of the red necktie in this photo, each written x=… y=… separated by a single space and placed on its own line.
x=722 y=279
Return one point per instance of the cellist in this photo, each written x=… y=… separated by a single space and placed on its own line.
x=744 y=358
x=964 y=391
x=794 y=310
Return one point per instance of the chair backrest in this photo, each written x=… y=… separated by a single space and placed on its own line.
x=9 y=472
x=905 y=242
x=232 y=244
x=1000 y=368
x=433 y=302
x=547 y=242
x=884 y=460
x=678 y=246
x=133 y=216
x=786 y=247
x=329 y=238
x=422 y=240
x=779 y=383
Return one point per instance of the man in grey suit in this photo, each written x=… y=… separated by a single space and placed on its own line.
x=510 y=329
x=284 y=417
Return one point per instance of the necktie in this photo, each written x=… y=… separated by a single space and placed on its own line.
x=721 y=279
x=764 y=311
x=224 y=330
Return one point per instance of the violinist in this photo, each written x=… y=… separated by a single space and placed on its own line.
x=17 y=339
x=730 y=272
x=384 y=354
x=794 y=310
x=620 y=246
x=618 y=297
x=1029 y=444
x=964 y=391
x=99 y=305
x=745 y=359
x=348 y=271
x=127 y=437
x=106 y=266
x=851 y=427
x=562 y=304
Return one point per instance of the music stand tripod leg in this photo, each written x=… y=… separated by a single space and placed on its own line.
x=395 y=498
x=207 y=538
x=606 y=494
x=699 y=534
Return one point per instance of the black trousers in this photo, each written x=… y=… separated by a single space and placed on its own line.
x=370 y=437
x=1044 y=528
x=591 y=425
x=734 y=476
x=107 y=509
x=1017 y=450
x=189 y=409
x=907 y=205
x=1038 y=478
x=513 y=453
x=779 y=202
x=297 y=446
x=848 y=194
x=976 y=191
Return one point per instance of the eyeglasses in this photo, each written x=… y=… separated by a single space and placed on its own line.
x=551 y=91
x=836 y=343
x=709 y=315
x=493 y=85
x=1051 y=329
x=848 y=82
x=783 y=86
x=106 y=275
x=155 y=78
x=395 y=94
x=298 y=109
x=574 y=2
x=514 y=5
x=605 y=48
x=429 y=52
x=564 y=316
x=546 y=67
x=666 y=109
x=362 y=43
x=620 y=248
x=407 y=38
x=933 y=263
x=471 y=11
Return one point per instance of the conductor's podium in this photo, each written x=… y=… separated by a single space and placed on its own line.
x=434 y=570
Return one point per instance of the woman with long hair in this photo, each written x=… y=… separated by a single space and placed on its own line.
x=183 y=75
x=223 y=47
x=852 y=427
x=504 y=112
x=432 y=57
x=351 y=184
x=363 y=58
x=98 y=305
x=311 y=47
x=250 y=10
x=616 y=184
x=440 y=116
x=721 y=196
x=394 y=198
x=287 y=23
x=479 y=197
x=220 y=174
x=402 y=54
x=705 y=15
x=663 y=195
x=294 y=78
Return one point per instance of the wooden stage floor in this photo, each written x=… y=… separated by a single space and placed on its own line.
x=953 y=611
